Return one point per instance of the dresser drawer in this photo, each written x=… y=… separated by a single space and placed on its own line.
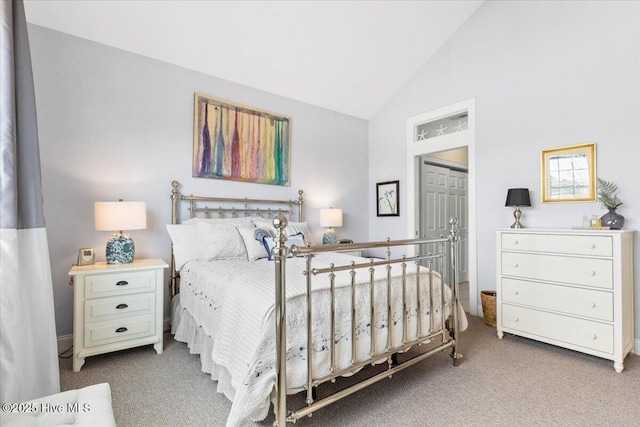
x=104 y=285
x=581 y=302
x=100 y=309
x=559 y=243
x=113 y=331
x=584 y=333
x=597 y=273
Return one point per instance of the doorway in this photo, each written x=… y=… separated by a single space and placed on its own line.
x=442 y=131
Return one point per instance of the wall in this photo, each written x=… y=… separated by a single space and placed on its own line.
x=113 y=124
x=544 y=75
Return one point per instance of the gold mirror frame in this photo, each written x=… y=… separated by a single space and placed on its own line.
x=569 y=174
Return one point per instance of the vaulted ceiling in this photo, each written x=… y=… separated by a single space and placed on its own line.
x=347 y=56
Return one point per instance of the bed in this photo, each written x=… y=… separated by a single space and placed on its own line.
x=264 y=307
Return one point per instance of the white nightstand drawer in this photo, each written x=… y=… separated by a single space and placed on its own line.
x=119 y=283
x=584 y=333
x=562 y=244
x=581 y=302
x=117 y=307
x=112 y=331
x=597 y=273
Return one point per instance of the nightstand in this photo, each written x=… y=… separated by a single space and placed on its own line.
x=117 y=306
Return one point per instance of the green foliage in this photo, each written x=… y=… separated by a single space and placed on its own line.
x=607 y=194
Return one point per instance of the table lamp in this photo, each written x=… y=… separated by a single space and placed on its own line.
x=119 y=216
x=331 y=217
x=518 y=197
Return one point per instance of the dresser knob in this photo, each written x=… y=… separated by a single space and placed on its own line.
x=592 y=273
x=592 y=246
x=515 y=242
x=593 y=336
x=515 y=265
x=592 y=304
x=515 y=292
x=516 y=319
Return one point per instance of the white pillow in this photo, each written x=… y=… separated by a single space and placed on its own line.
x=255 y=249
x=185 y=243
x=294 y=228
x=219 y=241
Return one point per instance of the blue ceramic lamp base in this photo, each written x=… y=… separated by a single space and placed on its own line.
x=120 y=249
x=329 y=238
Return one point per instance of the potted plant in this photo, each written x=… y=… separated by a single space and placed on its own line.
x=607 y=194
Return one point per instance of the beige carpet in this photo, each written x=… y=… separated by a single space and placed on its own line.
x=509 y=382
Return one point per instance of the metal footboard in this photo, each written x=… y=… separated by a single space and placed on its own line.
x=446 y=261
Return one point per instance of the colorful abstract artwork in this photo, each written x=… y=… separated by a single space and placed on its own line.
x=239 y=143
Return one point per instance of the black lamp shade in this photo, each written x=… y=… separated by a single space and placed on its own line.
x=518 y=197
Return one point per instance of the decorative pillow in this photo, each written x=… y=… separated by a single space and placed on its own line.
x=269 y=244
x=185 y=243
x=219 y=241
x=294 y=228
x=255 y=248
x=266 y=224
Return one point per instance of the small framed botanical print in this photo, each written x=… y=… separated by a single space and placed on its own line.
x=388 y=198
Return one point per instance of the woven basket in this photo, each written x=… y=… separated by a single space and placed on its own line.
x=489 y=307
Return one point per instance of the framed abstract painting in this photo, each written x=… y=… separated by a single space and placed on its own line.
x=239 y=143
x=388 y=198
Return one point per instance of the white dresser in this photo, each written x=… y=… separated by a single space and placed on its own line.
x=570 y=288
x=117 y=306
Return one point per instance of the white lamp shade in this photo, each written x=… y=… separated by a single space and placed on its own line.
x=331 y=217
x=114 y=216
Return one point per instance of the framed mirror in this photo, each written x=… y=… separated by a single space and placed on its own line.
x=569 y=174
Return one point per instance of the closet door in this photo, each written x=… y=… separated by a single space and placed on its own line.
x=444 y=195
x=434 y=211
x=458 y=207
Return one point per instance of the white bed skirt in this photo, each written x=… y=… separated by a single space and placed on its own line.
x=186 y=330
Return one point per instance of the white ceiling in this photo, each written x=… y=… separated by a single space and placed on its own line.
x=347 y=56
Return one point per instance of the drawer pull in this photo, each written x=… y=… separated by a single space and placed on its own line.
x=592 y=304
x=594 y=337
x=121 y=306
x=592 y=273
x=592 y=246
x=515 y=292
x=515 y=265
x=122 y=283
x=516 y=319
x=515 y=242
x=121 y=329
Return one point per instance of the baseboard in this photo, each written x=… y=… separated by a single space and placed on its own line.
x=66 y=341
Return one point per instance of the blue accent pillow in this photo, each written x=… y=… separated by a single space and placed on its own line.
x=291 y=240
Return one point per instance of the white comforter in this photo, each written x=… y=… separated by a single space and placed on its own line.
x=233 y=303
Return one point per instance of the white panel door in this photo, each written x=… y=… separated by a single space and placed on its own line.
x=458 y=207
x=443 y=195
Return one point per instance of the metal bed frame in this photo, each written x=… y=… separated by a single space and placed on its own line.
x=447 y=260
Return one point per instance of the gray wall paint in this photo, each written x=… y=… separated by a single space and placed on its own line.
x=544 y=75
x=113 y=124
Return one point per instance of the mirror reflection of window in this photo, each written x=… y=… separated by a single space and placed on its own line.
x=569 y=175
